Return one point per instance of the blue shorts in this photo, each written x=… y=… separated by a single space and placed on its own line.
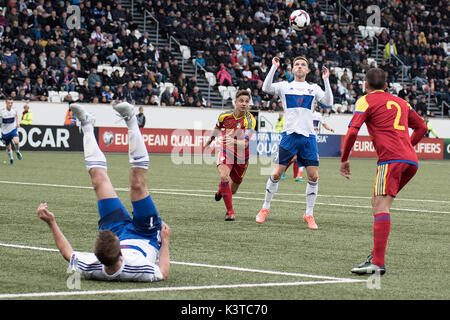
x=145 y=224
x=7 y=138
x=296 y=144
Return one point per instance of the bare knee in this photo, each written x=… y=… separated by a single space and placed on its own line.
x=277 y=172
x=276 y=176
x=224 y=177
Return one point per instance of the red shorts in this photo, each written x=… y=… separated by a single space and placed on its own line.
x=237 y=169
x=392 y=177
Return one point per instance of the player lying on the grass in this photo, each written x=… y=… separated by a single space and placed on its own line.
x=127 y=248
x=236 y=127
x=10 y=123
x=298 y=136
x=387 y=118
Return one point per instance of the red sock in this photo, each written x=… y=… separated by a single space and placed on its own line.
x=295 y=169
x=225 y=191
x=288 y=165
x=381 y=229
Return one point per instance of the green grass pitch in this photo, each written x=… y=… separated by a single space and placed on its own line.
x=214 y=259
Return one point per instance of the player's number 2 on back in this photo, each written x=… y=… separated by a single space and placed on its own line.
x=389 y=105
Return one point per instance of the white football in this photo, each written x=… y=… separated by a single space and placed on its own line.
x=299 y=20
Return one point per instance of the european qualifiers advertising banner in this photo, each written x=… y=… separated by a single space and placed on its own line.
x=427 y=148
x=188 y=141
x=49 y=138
x=157 y=140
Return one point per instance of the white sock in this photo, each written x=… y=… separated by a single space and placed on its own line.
x=16 y=147
x=271 y=189
x=311 y=194
x=93 y=156
x=137 y=152
x=10 y=153
x=301 y=169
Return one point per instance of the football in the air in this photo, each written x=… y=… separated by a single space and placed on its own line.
x=299 y=20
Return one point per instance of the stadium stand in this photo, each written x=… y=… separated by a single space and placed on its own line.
x=134 y=50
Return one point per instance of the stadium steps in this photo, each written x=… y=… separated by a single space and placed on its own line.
x=188 y=68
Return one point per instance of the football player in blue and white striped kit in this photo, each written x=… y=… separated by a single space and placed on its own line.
x=10 y=123
x=298 y=136
x=127 y=248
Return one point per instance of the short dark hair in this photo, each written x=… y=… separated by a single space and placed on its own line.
x=243 y=93
x=376 y=78
x=9 y=98
x=107 y=248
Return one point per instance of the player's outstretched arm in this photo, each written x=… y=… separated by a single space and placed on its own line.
x=61 y=242
x=164 y=256
x=328 y=99
x=267 y=84
x=213 y=136
x=349 y=141
x=326 y=126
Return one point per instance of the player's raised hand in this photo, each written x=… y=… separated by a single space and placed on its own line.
x=165 y=231
x=345 y=169
x=276 y=62
x=325 y=72
x=44 y=214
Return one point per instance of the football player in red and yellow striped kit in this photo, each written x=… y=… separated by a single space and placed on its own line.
x=387 y=118
x=236 y=127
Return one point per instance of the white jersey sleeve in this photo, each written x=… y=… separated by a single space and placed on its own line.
x=87 y=264
x=320 y=94
x=268 y=85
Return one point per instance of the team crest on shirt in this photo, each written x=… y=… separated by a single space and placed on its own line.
x=238 y=125
x=310 y=91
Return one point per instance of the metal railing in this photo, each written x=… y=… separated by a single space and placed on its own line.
x=172 y=39
x=403 y=65
x=346 y=10
x=147 y=14
x=196 y=66
x=444 y=104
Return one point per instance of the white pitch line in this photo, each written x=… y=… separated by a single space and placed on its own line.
x=234 y=197
x=193 y=264
x=303 y=202
x=303 y=195
x=279 y=273
x=212 y=191
x=328 y=280
x=186 y=288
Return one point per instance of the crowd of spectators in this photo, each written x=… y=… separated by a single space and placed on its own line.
x=414 y=39
x=235 y=40
x=43 y=50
